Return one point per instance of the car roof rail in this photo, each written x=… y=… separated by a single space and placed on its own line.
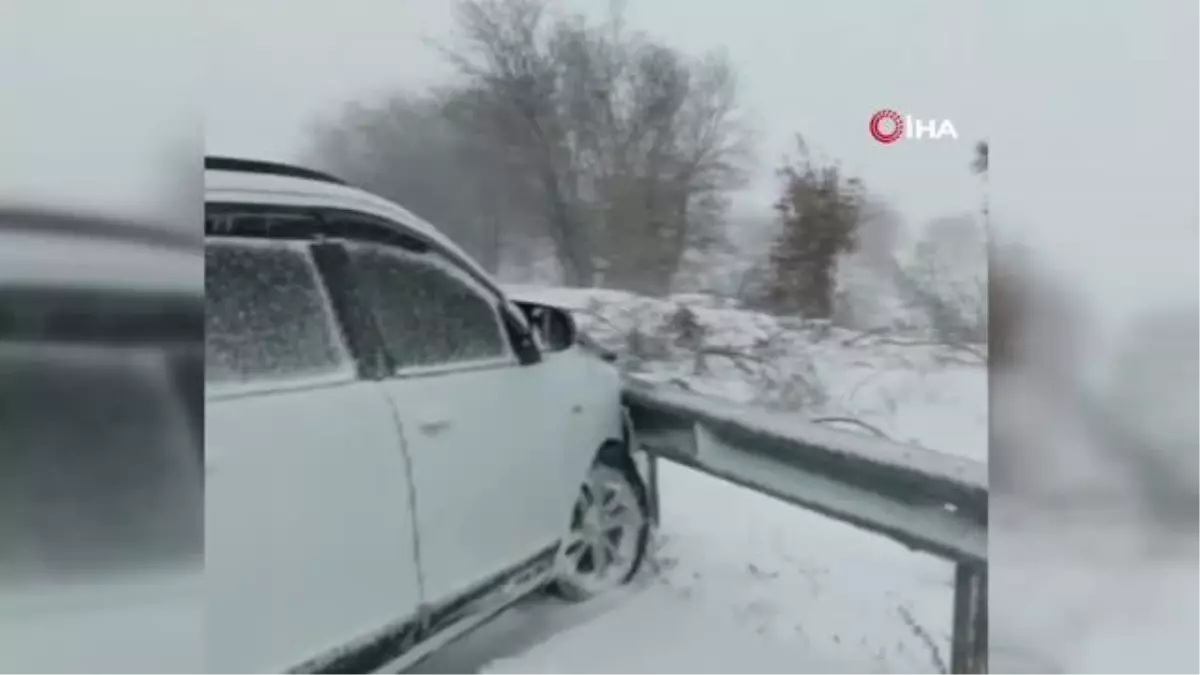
x=33 y=219
x=216 y=163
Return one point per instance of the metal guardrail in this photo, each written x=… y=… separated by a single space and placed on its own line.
x=927 y=501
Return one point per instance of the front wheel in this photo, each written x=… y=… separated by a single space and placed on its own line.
x=610 y=528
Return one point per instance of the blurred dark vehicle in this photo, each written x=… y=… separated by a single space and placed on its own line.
x=101 y=442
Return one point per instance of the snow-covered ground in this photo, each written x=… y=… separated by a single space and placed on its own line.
x=911 y=391
x=739 y=582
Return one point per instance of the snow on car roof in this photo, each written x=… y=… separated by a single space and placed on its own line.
x=221 y=185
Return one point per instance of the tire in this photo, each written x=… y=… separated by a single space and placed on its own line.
x=612 y=501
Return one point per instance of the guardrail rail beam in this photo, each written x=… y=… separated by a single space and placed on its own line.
x=928 y=501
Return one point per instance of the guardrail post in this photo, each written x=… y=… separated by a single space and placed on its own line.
x=968 y=649
x=655 y=498
x=652 y=495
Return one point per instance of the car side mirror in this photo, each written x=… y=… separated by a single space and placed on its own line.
x=524 y=345
x=555 y=326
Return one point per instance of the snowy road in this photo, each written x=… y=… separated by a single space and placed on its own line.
x=740 y=583
x=656 y=632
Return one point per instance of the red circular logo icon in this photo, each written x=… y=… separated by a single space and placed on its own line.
x=886 y=126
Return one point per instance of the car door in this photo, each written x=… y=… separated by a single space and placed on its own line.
x=493 y=479
x=309 y=533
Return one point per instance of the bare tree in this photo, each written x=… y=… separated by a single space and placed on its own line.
x=947 y=278
x=979 y=163
x=407 y=149
x=631 y=145
x=866 y=297
x=979 y=166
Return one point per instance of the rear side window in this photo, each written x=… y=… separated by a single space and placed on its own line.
x=266 y=315
x=429 y=313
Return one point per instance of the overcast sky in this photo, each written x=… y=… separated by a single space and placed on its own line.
x=97 y=106
x=1090 y=105
x=819 y=68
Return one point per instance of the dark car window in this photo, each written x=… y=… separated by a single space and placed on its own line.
x=100 y=461
x=101 y=424
x=101 y=405
x=429 y=314
x=266 y=315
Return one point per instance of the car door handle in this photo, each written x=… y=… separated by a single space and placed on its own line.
x=434 y=427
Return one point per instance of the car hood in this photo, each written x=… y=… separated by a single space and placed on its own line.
x=148 y=625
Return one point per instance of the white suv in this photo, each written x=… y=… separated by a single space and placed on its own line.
x=394 y=451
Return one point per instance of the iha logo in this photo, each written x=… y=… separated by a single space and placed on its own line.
x=889 y=126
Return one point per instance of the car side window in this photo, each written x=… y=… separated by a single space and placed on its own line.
x=429 y=313
x=266 y=314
